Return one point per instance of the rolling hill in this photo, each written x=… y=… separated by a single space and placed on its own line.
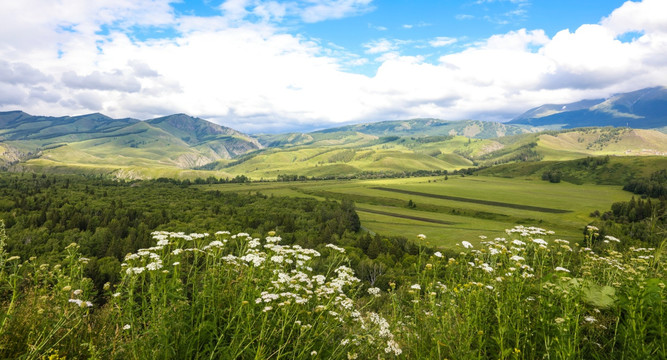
x=96 y=141
x=641 y=109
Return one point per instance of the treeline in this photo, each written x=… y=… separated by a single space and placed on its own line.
x=238 y=179
x=379 y=175
x=654 y=186
x=108 y=219
x=639 y=219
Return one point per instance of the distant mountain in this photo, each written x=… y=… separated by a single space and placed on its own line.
x=414 y=127
x=179 y=141
x=641 y=109
x=432 y=127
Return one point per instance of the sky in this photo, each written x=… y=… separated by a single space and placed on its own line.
x=267 y=66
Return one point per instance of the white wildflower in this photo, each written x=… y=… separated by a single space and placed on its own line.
x=540 y=242
x=334 y=247
x=466 y=244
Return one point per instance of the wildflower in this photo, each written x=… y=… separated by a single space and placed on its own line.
x=267 y=308
x=392 y=346
x=421 y=236
x=486 y=268
x=67 y=288
x=562 y=269
x=313 y=353
x=334 y=247
x=540 y=242
x=590 y=319
x=127 y=327
x=517 y=258
x=611 y=238
x=176 y=263
x=12 y=258
x=416 y=287
x=437 y=254
x=466 y=244
x=374 y=291
x=78 y=292
x=559 y=320
x=116 y=294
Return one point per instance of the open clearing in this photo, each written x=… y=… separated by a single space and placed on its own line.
x=460 y=208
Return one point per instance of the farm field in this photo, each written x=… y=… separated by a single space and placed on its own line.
x=448 y=211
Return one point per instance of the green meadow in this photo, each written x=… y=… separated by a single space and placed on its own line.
x=447 y=211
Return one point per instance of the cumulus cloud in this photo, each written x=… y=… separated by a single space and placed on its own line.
x=102 y=81
x=647 y=15
x=21 y=73
x=243 y=69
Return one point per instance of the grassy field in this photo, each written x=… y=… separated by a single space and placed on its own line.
x=447 y=211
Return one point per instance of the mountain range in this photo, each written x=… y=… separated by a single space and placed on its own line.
x=181 y=145
x=641 y=109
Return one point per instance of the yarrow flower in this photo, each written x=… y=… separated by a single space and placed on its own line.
x=562 y=269
x=437 y=254
x=416 y=287
x=466 y=244
x=334 y=247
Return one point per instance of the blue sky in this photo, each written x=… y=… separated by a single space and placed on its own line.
x=298 y=65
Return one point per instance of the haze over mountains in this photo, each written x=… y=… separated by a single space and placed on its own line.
x=173 y=144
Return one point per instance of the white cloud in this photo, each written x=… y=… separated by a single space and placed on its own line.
x=102 y=81
x=257 y=77
x=380 y=46
x=648 y=15
x=442 y=41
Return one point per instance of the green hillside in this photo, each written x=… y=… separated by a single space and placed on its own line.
x=130 y=148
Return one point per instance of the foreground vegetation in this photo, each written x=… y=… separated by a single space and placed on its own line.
x=524 y=296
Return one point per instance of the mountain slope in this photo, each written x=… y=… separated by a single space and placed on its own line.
x=641 y=109
x=96 y=140
x=419 y=127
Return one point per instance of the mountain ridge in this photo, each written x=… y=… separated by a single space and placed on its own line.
x=640 y=109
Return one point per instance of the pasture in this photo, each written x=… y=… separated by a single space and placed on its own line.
x=448 y=211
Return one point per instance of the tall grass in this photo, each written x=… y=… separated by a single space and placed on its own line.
x=224 y=296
